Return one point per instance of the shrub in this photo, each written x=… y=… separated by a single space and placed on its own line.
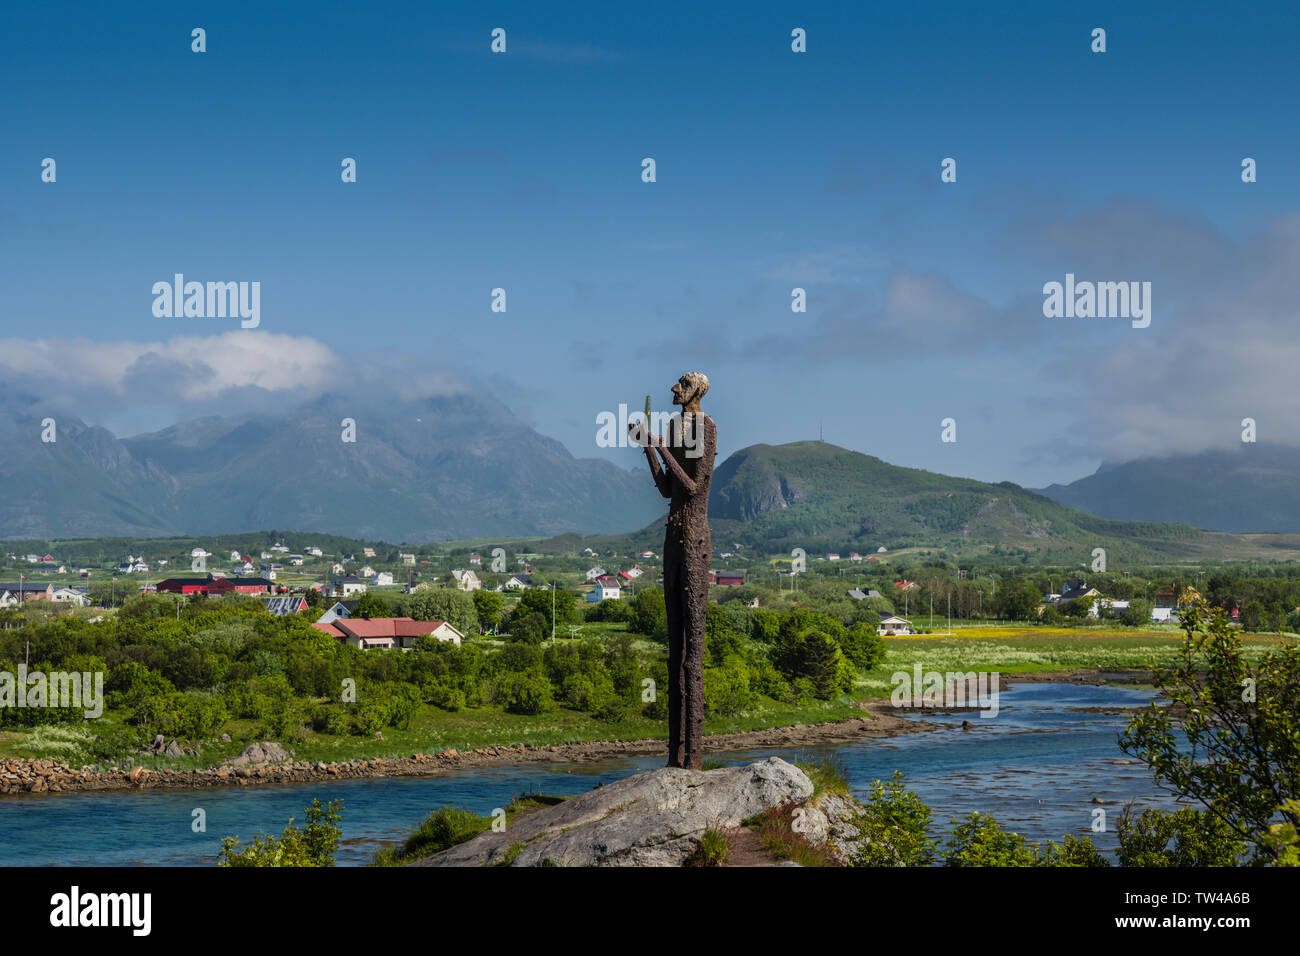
x=445 y=827
x=712 y=850
x=1185 y=837
x=524 y=694
x=314 y=845
x=893 y=827
x=979 y=840
x=726 y=688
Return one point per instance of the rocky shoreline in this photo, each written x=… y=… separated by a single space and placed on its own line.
x=49 y=776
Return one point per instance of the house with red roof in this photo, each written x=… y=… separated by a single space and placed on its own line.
x=727 y=579
x=393 y=633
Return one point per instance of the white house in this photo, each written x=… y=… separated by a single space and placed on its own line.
x=337 y=610
x=70 y=596
x=894 y=625
x=367 y=572
x=235 y=556
x=408 y=559
x=1162 y=614
x=603 y=591
x=466 y=579
x=595 y=572
x=349 y=585
x=314 y=551
x=513 y=583
x=634 y=571
x=382 y=578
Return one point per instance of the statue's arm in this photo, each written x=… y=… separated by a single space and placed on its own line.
x=641 y=435
x=662 y=481
x=705 y=468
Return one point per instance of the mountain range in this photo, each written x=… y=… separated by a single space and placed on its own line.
x=463 y=466
x=439 y=468
x=1254 y=487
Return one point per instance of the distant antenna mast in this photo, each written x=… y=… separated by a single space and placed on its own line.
x=819 y=430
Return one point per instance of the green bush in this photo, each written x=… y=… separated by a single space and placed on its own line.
x=314 y=845
x=445 y=827
x=525 y=694
x=893 y=827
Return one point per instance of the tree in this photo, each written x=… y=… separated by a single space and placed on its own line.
x=371 y=605
x=488 y=605
x=1229 y=736
x=1019 y=602
x=527 y=693
x=540 y=600
x=650 y=615
x=1137 y=613
x=527 y=627
x=816 y=657
x=1186 y=837
x=442 y=604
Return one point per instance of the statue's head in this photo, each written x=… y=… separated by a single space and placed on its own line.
x=690 y=388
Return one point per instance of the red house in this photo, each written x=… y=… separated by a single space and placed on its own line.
x=184 y=586
x=727 y=579
x=216 y=587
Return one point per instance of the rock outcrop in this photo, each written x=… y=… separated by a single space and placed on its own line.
x=649 y=819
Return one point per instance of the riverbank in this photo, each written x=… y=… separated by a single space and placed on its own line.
x=49 y=776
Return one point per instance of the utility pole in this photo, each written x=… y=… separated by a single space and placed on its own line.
x=552 y=612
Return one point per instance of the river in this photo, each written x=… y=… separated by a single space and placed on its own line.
x=1036 y=766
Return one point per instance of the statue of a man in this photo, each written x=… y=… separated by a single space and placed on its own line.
x=688 y=550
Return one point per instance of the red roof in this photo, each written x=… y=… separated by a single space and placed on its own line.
x=378 y=627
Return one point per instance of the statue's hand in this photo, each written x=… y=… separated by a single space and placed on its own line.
x=639 y=434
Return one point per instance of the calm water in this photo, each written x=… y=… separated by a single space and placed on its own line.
x=1036 y=767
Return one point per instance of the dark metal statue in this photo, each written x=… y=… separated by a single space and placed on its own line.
x=688 y=550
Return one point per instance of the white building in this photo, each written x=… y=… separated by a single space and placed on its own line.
x=466 y=579
x=603 y=592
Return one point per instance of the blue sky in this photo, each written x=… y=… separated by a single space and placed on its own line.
x=774 y=170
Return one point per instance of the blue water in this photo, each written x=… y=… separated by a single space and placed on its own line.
x=1036 y=767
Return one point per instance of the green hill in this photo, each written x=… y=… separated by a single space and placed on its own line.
x=822 y=498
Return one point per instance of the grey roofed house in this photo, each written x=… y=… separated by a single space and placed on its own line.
x=1075 y=589
x=337 y=610
x=859 y=595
